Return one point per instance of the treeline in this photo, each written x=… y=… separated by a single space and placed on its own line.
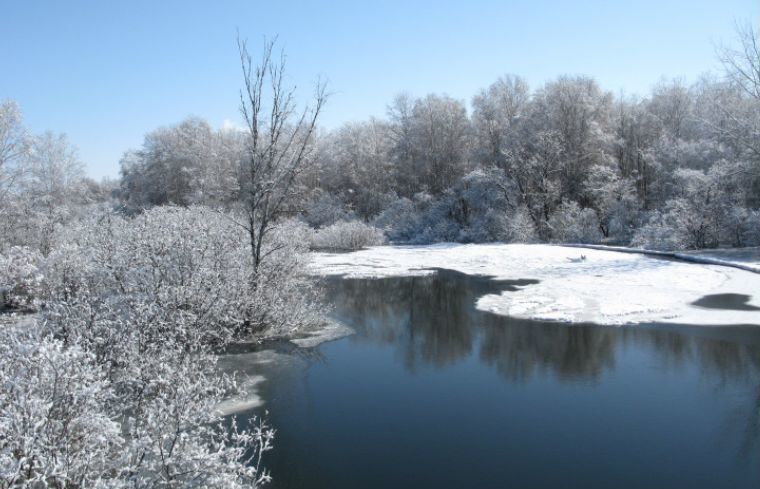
x=42 y=183
x=565 y=162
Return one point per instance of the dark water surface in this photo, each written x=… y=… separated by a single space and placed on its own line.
x=432 y=393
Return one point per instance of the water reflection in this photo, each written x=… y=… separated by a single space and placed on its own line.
x=432 y=321
x=534 y=404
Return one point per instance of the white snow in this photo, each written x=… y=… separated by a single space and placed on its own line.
x=247 y=367
x=606 y=287
x=332 y=330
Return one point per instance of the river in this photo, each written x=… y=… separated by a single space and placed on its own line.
x=431 y=392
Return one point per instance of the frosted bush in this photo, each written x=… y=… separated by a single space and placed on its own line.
x=520 y=228
x=56 y=429
x=400 y=220
x=659 y=233
x=572 y=224
x=136 y=307
x=325 y=211
x=175 y=275
x=70 y=420
x=751 y=229
x=347 y=235
x=20 y=277
x=680 y=226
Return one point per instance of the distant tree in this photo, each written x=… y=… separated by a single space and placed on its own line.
x=496 y=116
x=742 y=63
x=54 y=186
x=520 y=228
x=356 y=165
x=536 y=170
x=188 y=163
x=739 y=110
x=432 y=138
x=615 y=201
x=578 y=113
x=14 y=145
x=572 y=224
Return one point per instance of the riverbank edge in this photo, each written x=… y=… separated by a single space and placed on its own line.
x=676 y=255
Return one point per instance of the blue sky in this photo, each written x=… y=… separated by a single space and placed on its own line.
x=108 y=72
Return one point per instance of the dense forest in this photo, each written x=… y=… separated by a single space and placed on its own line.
x=565 y=162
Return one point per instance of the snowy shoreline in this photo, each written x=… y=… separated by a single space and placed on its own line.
x=607 y=287
x=700 y=257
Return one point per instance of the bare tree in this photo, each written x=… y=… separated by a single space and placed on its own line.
x=742 y=69
x=279 y=142
x=742 y=64
x=14 y=146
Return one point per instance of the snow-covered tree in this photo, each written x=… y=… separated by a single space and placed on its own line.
x=278 y=143
x=572 y=224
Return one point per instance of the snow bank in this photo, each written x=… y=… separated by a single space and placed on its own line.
x=607 y=287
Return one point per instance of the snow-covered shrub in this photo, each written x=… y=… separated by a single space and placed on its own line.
x=436 y=230
x=169 y=274
x=659 y=233
x=616 y=203
x=740 y=227
x=175 y=437
x=70 y=420
x=326 y=210
x=400 y=220
x=284 y=299
x=347 y=235
x=571 y=224
x=520 y=228
x=750 y=232
x=54 y=419
x=143 y=301
x=174 y=274
x=475 y=209
x=623 y=217
x=488 y=226
x=20 y=277
x=681 y=225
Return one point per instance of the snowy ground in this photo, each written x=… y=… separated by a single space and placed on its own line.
x=606 y=287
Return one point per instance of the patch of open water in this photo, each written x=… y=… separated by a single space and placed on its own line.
x=431 y=392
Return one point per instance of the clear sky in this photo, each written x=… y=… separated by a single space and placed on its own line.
x=107 y=72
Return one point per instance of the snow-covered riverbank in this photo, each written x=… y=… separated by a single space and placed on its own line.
x=576 y=285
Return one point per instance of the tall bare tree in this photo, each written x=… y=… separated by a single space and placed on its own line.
x=742 y=63
x=279 y=142
x=741 y=114
x=14 y=146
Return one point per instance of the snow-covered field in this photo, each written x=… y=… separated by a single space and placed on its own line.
x=606 y=287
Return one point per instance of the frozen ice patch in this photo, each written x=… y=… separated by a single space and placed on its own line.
x=575 y=285
x=333 y=330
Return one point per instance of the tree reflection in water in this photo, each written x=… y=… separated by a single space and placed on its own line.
x=543 y=404
x=432 y=320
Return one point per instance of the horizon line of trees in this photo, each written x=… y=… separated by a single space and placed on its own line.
x=566 y=162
